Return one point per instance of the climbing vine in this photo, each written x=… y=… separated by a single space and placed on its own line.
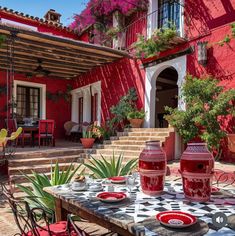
x=227 y=38
x=66 y=95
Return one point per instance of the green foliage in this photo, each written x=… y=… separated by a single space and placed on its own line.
x=2 y=39
x=158 y=42
x=233 y=29
x=136 y=114
x=113 y=32
x=36 y=197
x=109 y=168
x=206 y=102
x=124 y=106
x=66 y=95
x=88 y=134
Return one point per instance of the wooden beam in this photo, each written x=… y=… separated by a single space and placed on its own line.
x=63 y=42
x=22 y=53
x=31 y=70
x=64 y=49
x=48 y=55
x=56 y=54
x=35 y=64
x=49 y=62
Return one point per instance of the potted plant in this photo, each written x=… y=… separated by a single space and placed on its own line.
x=206 y=103
x=136 y=118
x=88 y=139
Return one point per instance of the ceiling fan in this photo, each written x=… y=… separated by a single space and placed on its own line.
x=40 y=71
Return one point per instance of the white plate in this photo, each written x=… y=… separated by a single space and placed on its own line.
x=79 y=188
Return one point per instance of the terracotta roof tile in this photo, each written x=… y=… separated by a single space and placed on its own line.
x=41 y=21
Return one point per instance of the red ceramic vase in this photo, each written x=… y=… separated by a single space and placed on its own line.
x=152 y=168
x=196 y=168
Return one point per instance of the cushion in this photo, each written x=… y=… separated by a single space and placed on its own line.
x=57 y=229
x=75 y=128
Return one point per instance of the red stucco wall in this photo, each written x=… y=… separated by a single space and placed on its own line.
x=116 y=79
x=59 y=110
x=211 y=21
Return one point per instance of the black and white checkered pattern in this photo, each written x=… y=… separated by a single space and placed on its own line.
x=139 y=206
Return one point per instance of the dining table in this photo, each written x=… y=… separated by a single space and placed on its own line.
x=136 y=214
x=30 y=128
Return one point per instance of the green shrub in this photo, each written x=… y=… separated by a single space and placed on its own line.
x=136 y=114
x=109 y=168
x=36 y=197
x=206 y=103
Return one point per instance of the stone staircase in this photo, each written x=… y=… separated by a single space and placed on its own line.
x=132 y=141
x=40 y=161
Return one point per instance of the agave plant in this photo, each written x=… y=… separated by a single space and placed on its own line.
x=36 y=197
x=109 y=168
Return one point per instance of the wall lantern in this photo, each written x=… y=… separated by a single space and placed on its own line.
x=202 y=53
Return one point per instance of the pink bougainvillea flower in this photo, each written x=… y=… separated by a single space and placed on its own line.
x=97 y=9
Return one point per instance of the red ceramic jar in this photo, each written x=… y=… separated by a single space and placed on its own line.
x=152 y=168
x=196 y=168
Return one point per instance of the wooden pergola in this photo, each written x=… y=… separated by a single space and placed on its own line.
x=62 y=57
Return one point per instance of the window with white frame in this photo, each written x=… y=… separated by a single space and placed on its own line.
x=169 y=13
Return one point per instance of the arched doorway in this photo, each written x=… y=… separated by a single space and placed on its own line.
x=166 y=95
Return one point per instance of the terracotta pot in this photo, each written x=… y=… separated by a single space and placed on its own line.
x=231 y=142
x=136 y=123
x=152 y=168
x=197 y=168
x=87 y=142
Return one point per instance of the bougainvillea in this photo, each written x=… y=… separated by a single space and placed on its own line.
x=97 y=9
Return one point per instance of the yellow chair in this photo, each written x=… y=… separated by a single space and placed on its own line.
x=3 y=139
x=15 y=135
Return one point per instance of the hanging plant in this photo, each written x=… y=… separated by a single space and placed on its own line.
x=158 y=42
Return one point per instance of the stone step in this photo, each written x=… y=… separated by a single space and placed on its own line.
x=142 y=138
x=43 y=160
x=107 y=157
x=132 y=142
x=18 y=178
x=109 y=151
x=149 y=129
x=137 y=134
x=36 y=168
x=123 y=147
x=48 y=153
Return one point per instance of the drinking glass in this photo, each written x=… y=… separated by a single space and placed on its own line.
x=130 y=182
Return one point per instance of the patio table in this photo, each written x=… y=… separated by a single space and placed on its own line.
x=32 y=129
x=139 y=210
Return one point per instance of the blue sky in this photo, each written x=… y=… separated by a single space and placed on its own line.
x=39 y=7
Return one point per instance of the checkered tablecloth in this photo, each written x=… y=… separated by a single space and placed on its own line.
x=140 y=207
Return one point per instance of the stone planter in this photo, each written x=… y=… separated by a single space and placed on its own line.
x=87 y=142
x=136 y=123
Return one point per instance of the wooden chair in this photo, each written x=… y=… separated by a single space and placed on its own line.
x=12 y=128
x=35 y=221
x=46 y=132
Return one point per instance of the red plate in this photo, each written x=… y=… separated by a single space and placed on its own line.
x=111 y=196
x=176 y=219
x=214 y=190
x=118 y=179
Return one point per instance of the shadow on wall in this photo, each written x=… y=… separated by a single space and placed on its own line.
x=201 y=16
x=116 y=79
